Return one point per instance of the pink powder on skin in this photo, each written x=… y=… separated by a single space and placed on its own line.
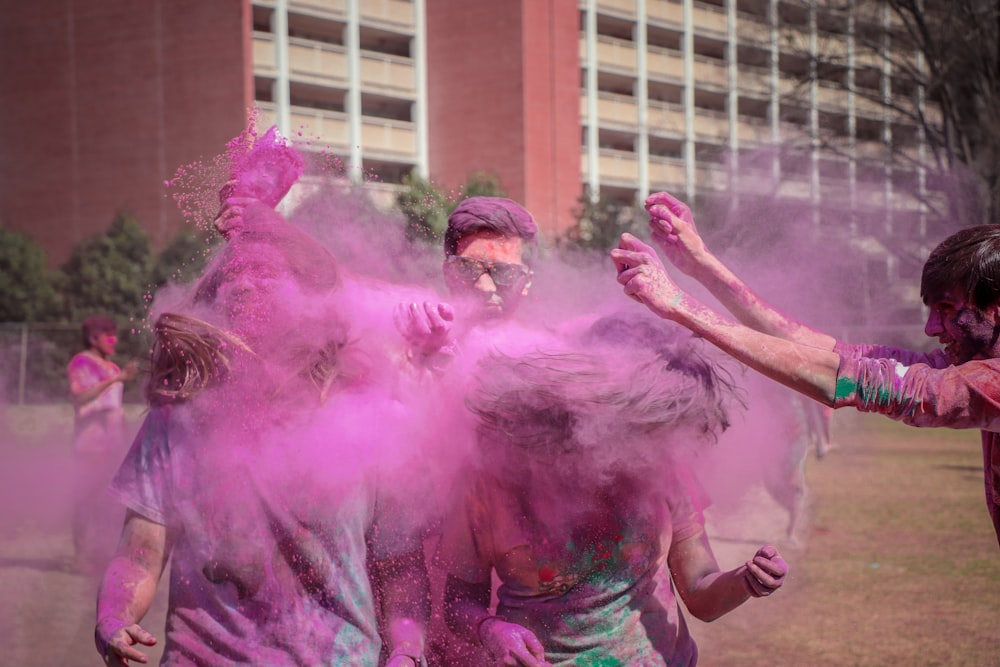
x=265 y=172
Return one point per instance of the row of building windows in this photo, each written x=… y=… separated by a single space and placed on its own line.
x=318 y=37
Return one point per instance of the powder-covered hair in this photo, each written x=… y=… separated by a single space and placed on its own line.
x=190 y=354
x=968 y=260
x=571 y=402
x=680 y=351
x=94 y=326
x=492 y=214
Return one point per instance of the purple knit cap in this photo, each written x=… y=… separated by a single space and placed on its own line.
x=495 y=214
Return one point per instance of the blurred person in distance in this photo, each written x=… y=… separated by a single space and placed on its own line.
x=96 y=387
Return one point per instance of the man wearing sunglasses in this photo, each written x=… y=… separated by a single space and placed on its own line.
x=487 y=247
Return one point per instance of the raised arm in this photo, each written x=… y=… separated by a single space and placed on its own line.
x=674 y=231
x=405 y=607
x=807 y=369
x=128 y=589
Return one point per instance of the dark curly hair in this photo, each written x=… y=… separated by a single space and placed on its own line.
x=968 y=260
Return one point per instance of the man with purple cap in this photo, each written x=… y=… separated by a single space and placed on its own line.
x=488 y=246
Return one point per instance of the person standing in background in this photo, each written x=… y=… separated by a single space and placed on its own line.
x=96 y=385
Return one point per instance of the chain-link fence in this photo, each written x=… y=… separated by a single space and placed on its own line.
x=33 y=359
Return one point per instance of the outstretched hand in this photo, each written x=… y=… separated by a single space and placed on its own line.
x=229 y=221
x=511 y=645
x=426 y=326
x=644 y=277
x=765 y=572
x=674 y=231
x=116 y=641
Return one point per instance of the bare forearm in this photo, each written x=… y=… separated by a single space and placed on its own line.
x=750 y=309
x=718 y=594
x=709 y=593
x=127 y=590
x=809 y=370
x=131 y=578
x=466 y=605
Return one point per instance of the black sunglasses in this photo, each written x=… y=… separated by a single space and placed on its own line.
x=468 y=270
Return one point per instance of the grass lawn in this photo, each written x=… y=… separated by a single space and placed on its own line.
x=899 y=564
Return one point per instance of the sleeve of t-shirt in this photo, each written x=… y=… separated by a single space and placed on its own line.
x=687 y=501
x=935 y=358
x=82 y=373
x=142 y=482
x=962 y=396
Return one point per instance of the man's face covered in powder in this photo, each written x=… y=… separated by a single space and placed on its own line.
x=965 y=331
x=488 y=270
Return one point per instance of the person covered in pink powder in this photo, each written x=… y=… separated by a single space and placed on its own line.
x=584 y=510
x=96 y=386
x=957 y=386
x=488 y=248
x=260 y=475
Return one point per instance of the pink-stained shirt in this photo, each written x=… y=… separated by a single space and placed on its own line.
x=99 y=424
x=273 y=534
x=924 y=389
x=595 y=589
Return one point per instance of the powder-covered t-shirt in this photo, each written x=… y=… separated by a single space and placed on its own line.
x=272 y=535
x=927 y=390
x=597 y=592
x=99 y=425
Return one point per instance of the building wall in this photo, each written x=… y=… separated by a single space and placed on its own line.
x=100 y=102
x=341 y=76
x=503 y=91
x=552 y=180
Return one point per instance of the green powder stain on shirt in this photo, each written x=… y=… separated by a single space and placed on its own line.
x=598 y=661
x=845 y=388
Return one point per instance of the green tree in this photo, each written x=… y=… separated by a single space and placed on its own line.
x=27 y=292
x=427 y=207
x=109 y=273
x=600 y=224
x=184 y=258
x=481 y=184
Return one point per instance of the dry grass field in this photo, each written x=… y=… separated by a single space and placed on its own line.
x=898 y=566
